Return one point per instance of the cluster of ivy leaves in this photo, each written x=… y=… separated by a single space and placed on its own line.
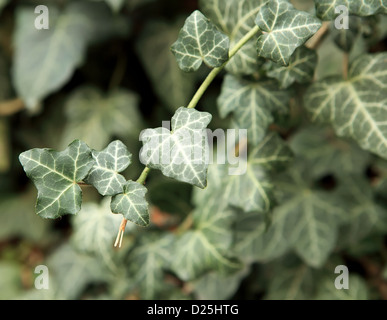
x=313 y=195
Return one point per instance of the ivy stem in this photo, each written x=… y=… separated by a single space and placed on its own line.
x=194 y=101
x=212 y=75
x=143 y=175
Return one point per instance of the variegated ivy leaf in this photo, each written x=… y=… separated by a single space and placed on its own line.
x=131 y=203
x=151 y=255
x=182 y=153
x=284 y=30
x=104 y=175
x=95 y=228
x=252 y=104
x=253 y=190
x=236 y=18
x=200 y=41
x=326 y=9
x=300 y=69
x=55 y=175
x=206 y=247
x=312 y=216
x=355 y=107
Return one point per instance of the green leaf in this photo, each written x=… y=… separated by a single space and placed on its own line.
x=70 y=272
x=357 y=290
x=301 y=68
x=322 y=153
x=131 y=203
x=10 y=280
x=94 y=231
x=173 y=86
x=36 y=71
x=17 y=207
x=152 y=255
x=312 y=217
x=3 y=3
x=365 y=216
x=253 y=191
x=213 y=286
x=182 y=153
x=284 y=30
x=207 y=246
x=258 y=242
x=294 y=280
x=236 y=18
x=55 y=175
x=354 y=107
x=200 y=41
x=325 y=9
x=116 y=5
x=108 y=163
x=88 y=110
x=253 y=104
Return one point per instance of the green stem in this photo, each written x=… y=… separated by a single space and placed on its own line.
x=212 y=75
x=143 y=175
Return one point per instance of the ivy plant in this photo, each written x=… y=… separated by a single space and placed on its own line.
x=311 y=197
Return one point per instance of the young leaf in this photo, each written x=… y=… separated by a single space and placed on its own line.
x=104 y=175
x=355 y=107
x=252 y=104
x=55 y=175
x=200 y=41
x=300 y=69
x=88 y=110
x=181 y=153
x=236 y=18
x=284 y=30
x=326 y=9
x=131 y=203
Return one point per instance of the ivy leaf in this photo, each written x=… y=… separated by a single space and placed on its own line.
x=235 y=18
x=131 y=203
x=181 y=153
x=104 y=175
x=255 y=241
x=357 y=290
x=88 y=110
x=173 y=86
x=152 y=254
x=284 y=30
x=354 y=107
x=67 y=264
x=206 y=247
x=200 y=41
x=94 y=231
x=294 y=280
x=300 y=69
x=116 y=5
x=36 y=73
x=312 y=216
x=253 y=190
x=322 y=153
x=325 y=9
x=252 y=104
x=364 y=215
x=55 y=175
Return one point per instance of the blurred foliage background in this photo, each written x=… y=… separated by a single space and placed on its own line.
x=106 y=72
